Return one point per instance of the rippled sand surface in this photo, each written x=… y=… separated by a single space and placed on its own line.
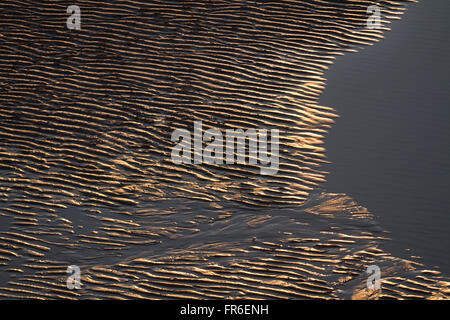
x=86 y=177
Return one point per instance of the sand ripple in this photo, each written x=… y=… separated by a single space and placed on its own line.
x=85 y=170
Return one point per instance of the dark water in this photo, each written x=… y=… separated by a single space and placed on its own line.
x=390 y=147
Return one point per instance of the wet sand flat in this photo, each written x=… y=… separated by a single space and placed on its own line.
x=85 y=138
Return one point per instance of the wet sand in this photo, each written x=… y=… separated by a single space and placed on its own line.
x=86 y=176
